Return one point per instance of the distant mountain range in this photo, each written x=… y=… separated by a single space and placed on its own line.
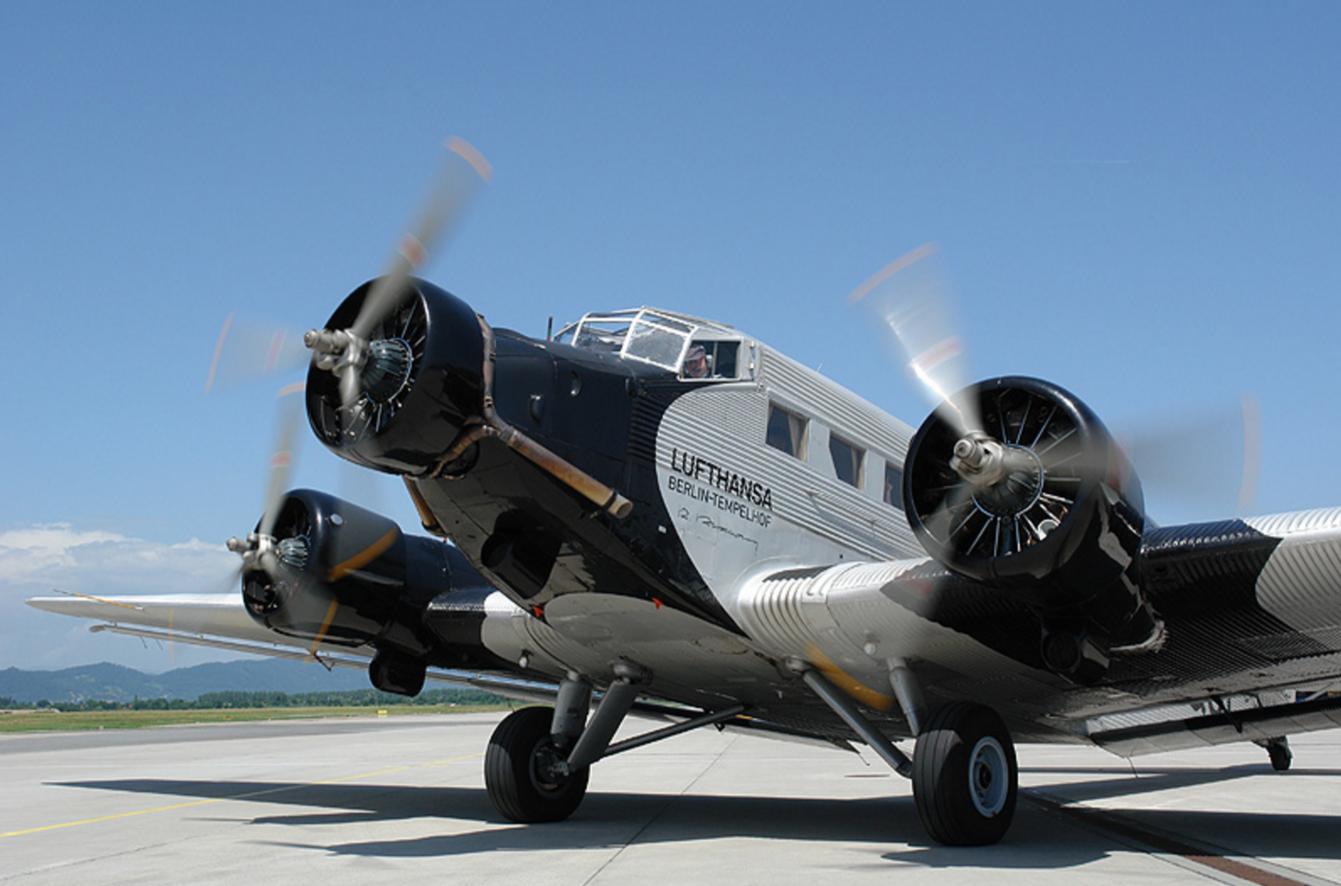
x=111 y=682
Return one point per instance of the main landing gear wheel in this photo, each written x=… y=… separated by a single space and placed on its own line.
x=965 y=779
x=1278 y=749
x=521 y=770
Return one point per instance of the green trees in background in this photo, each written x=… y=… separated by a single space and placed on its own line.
x=242 y=699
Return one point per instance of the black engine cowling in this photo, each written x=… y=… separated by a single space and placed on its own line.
x=344 y=575
x=423 y=380
x=1061 y=530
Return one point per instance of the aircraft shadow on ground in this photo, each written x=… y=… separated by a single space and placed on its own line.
x=600 y=816
x=1121 y=783
x=1040 y=837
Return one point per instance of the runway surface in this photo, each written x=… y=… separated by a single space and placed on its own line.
x=403 y=800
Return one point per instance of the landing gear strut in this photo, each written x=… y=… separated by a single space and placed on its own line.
x=965 y=778
x=539 y=759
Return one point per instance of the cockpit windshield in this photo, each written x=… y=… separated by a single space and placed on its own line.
x=691 y=349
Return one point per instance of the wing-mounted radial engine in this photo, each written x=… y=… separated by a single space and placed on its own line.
x=393 y=383
x=1018 y=485
x=333 y=573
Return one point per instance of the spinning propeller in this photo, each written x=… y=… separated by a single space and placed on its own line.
x=366 y=365
x=372 y=360
x=260 y=550
x=375 y=368
x=911 y=299
x=1015 y=484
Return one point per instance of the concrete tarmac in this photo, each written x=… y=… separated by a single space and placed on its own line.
x=402 y=800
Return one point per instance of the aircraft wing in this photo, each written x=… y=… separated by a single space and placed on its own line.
x=1250 y=618
x=1250 y=609
x=220 y=621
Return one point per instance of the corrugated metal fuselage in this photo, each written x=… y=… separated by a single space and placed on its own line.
x=739 y=554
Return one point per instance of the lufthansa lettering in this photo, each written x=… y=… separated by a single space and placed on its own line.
x=717 y=477
x=725 y=503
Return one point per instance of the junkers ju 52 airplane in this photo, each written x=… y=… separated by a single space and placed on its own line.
x=658 y=513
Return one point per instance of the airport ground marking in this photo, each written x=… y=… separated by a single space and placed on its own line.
x=1206 y=856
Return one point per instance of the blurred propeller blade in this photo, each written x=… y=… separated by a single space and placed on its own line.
x=1204 y=457
x=321 y=634
x=281 y=459
x=229 y=584
x=247 y=351
x=954 y=515
x=1207 y=457
x=463 y=171
x=1252 y=452
x=910 y=298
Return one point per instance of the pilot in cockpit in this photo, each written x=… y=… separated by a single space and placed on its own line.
x=696 y=363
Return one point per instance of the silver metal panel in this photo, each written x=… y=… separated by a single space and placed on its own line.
x=1301 y=583
x=833 y=406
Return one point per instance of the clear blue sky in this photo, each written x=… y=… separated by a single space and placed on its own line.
x=1141 y=201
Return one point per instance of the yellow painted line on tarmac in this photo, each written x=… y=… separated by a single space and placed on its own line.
x=70 y=824
x=246 y=796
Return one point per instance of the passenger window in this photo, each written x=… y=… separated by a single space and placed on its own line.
x=786 y=431
x=893 y=486
x=847 y=460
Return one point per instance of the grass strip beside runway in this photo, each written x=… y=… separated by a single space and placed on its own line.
x=74 y=721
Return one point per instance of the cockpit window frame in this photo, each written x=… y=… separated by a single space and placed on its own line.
x=658 y=338
x=720 y=352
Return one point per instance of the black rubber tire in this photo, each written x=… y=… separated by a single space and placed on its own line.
x=517 y=787
x=961 y=759
x=1281 y=756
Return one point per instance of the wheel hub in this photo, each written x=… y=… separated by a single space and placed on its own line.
x=547 y=767
x=988 y=776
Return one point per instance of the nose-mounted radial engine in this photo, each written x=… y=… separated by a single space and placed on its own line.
x=1032 y=496
x=391 y=386
x=399 y=367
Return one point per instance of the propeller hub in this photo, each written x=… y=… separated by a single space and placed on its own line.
x=268 y=568
x=259 y=552
x=338 y=351
x=980 y=460
x=1006 y=479
x=379 y=368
